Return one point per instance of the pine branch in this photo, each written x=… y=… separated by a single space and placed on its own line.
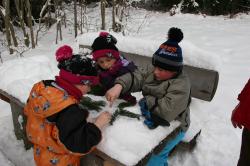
x=89 y=104
x=125 y=104
x=122 y=112
x=129 y=114
x=97 y=90
x=114 y=116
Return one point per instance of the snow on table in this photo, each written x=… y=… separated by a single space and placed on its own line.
x=128 y=140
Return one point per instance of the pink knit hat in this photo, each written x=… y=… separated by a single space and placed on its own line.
x=64 y=52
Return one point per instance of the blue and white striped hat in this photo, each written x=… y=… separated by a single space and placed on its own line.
x=169 y=54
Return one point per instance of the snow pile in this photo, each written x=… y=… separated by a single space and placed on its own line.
x=19 y=75
x=192 y=54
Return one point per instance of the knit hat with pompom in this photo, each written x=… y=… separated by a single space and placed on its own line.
x=169 y=54
x=75 y=68
x=104 y=46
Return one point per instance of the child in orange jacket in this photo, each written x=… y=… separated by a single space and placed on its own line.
x=56 y=125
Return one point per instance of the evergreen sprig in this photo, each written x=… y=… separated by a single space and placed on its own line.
x=125 y=104
x=122 y=112
x=129 y=114
x=114 y=116
x=89 y=104
x=97 y=90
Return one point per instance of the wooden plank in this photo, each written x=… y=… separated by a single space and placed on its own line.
x=7 y=97
x=19 y=120
x=105 y=157
x=4 y=98
x=203 y=81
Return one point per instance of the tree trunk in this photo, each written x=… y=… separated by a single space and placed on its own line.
x=81 y=21
x=233 y=8
x=1 y=57
x=20 y=12
x=49 y=14
x=28 y=7
x=83 y=10
x=13 y=35
x=59 y=20
x=75 y=17
x=64 y=20
x=103 y=14
x=46 y=5
x=7 y=24
x=113 y=15
x=56 y=33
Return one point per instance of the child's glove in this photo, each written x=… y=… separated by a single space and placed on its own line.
x=144 y=108
x=145 y=112
x=129 y=98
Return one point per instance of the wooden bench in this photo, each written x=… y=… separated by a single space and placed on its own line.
x=204 y=84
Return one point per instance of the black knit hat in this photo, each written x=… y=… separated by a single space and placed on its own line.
x=74 y=63
x=169 y=54
x=104 y=45
x=75 y=68
x=78 y=64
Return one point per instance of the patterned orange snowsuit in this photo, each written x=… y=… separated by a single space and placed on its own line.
x=43 y=102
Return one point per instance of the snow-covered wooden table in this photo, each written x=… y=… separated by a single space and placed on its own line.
x=128 y=141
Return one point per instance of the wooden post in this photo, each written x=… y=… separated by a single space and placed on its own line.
x=19 y=122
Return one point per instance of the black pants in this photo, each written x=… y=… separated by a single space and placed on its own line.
x=245 y=149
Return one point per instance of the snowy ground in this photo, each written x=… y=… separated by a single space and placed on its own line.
x=219 y=143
